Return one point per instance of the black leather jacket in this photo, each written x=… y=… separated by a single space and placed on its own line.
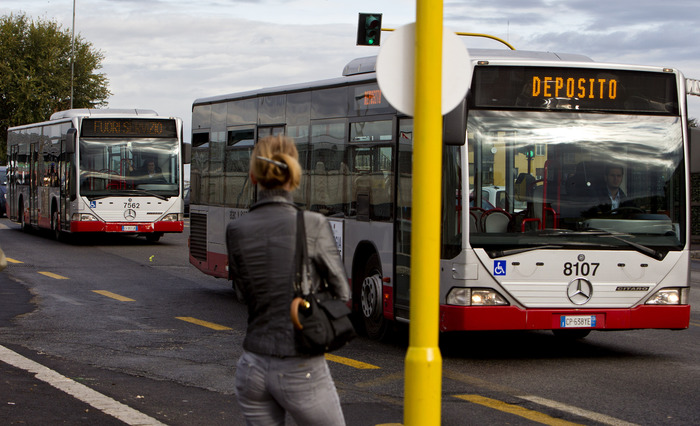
x=261 y=246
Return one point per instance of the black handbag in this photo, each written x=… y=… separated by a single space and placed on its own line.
x=321 y=323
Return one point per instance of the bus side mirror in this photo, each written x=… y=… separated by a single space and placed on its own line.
x=70 y=140
x=454 y=125
x=186 y=153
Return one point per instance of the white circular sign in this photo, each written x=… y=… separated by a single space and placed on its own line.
x=396 y=69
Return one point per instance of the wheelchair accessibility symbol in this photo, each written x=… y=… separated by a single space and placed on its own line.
x=93 y=204
x=499 y=267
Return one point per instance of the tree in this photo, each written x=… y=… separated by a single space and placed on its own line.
x=35 y=73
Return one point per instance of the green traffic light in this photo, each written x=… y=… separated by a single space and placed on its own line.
x=369 y=29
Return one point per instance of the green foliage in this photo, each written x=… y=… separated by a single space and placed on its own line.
x=35 y=73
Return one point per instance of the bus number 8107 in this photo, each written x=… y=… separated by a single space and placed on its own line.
x=583 y=268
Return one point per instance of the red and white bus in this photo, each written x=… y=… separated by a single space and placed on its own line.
x=87 y=170
x=545 y=251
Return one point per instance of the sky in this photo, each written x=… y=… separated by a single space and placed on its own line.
x=164 y=54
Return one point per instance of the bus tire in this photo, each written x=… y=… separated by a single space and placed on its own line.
x=56 y=226
x=154 y=237
x=22 y=222
x=371 y=311
x=571 y=334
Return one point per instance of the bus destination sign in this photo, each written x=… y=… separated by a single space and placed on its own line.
x=131 y=127
x=583 y=89
x=369 y=97
x=547 y=86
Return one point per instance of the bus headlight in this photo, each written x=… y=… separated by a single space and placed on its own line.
x=475 y=297
x=83 y=217
x=669 y=296
x=486 y=297
x=459 y=296
x=172 y=217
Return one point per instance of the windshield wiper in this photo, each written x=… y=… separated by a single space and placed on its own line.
x=502 y=253
x=656 y=254
x=127 y=192
x=593 y=231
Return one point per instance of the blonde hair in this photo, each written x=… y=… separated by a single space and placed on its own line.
x=275 y=162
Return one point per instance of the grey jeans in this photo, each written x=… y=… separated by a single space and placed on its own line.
x=267 y=387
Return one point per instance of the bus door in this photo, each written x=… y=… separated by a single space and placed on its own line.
x=65 y=181
x=33 y=183
x=404 y=188
x=12 y=182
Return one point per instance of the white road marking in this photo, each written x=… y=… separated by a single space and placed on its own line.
x=601 y=418
x=101 y=402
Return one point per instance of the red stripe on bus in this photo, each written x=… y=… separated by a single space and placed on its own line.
x=215 y=264
x=98 y=226
x=456 y=318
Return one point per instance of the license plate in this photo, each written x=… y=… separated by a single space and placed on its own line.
x=130 y=228
x=577 y=321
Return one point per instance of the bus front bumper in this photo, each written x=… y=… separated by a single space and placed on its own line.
x=461 y=318
x=127 y=227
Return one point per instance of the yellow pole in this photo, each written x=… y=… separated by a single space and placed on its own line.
x=423 y=383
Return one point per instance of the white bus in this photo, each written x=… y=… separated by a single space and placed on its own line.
x=87 y=170
x=551 y=254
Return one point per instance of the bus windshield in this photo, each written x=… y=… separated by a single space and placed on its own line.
x=576 y=179
x=129 y=167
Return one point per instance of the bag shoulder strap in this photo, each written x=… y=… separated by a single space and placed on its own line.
x=302 y=273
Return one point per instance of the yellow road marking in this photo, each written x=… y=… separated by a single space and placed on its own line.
x=207 y=324
x=350 y=362
x=515 y=409
x=696 y=324
x=114 y=296
x=382 y=380
x=52 y=275
x=13 y=260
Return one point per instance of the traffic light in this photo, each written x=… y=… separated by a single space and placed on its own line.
x=530 y=152
x=369 y=29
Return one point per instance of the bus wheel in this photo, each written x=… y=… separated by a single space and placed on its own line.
x=154 y=237
x=371 y=300
x=22 y=221
x=56 y=226
x=571 y=334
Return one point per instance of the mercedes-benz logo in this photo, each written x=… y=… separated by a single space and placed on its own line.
x=579 y=291
x=130 y=214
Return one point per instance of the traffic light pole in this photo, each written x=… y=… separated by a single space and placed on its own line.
x=423 y=382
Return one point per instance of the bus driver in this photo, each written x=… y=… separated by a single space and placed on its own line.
x=612 y=194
